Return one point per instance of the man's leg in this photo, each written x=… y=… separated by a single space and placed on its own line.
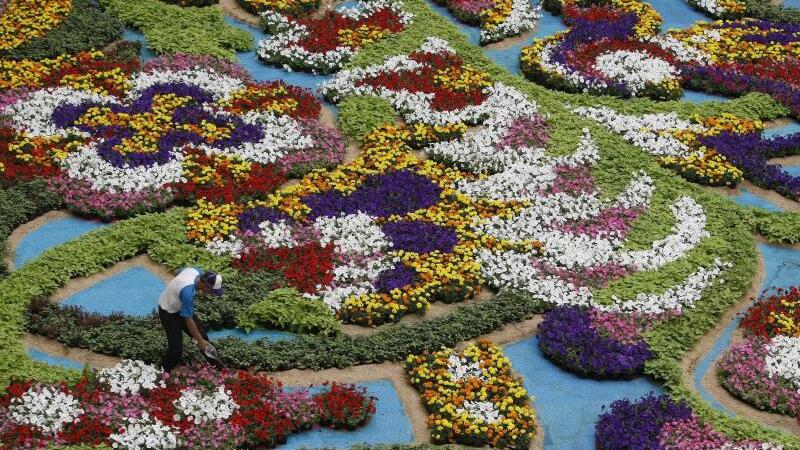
x=172 y=327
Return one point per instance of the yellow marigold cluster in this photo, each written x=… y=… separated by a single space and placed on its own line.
x=361 y=36
x=281 y=6
x=473 y=397
x=207 y=221
x=24 y=20
x=726 y=43
x=497 y=14
x=711 y=169
x=205 y=173
x=785 y=323
x=274 y=98
x=464 y=78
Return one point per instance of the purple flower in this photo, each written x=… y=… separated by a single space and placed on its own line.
x=250 y=219
x=395 y=278
x=637 y=425
x=568 y=337
x=383 y=195
x=420 y=237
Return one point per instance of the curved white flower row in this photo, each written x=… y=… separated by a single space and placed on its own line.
x=783 y=358
x=283 y=45
x=574 y=77
x=34 y=113
x=532 y=172
x=523 y=17
x=679 y=49
x=220 y=85
x=480 y=150
x=515 y=270
x=650 y=132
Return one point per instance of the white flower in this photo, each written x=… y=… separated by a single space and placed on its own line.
x=353 y=233
x=145 y=433
x=523 y=17
x=481 y=411
x=783 y=358
x=202 y=407
x=461 y=368
x=636 y=70
x=47 y=409
x=129 y=377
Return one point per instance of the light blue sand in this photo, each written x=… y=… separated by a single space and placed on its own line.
x=568 y=406
x=51 y=234
x=677 y=14
x=254 y=335
x=263 y=72
x=389 y=425
x=58 y=361
x=145 y=54
x=783 y=130
x=791 y=3
x=747 y=198
x=134 y=291
x=781 y=269
x=702 y=97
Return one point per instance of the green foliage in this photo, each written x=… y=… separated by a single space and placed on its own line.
x=20 y=204
x=780 y=227
x=286 y=309
x=359 y=115
x=173 y=29
x=766 y=10
x=87 y=27
x=197 y=3
x=241 y=291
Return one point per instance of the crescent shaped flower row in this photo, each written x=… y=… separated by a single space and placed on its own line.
x=492 y=207
x=614 y=48
x=163 y=134
x=23 y=20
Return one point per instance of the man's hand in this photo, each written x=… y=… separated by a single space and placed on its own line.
x=195 y=332
x=203 y=345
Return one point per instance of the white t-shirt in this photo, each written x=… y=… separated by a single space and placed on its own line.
x=179 y=292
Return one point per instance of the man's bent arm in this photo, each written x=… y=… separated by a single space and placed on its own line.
x=195 y=332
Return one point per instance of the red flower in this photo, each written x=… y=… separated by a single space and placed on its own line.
x=304 y=266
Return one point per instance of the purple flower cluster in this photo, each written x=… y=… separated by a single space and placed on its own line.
x=569 y=338
x=751 y=152
x=395 y=278
x=637 y=425
x=383 y=195
x=250 y=219
x=420 y=237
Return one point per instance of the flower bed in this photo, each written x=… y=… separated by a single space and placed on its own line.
x=597 y=344
x=658 y=422
x=613 y=48
x=324 y=45
x=498 y=19
x=134 y=405
x=115 y=144
x=24 y=20
x=473 y=397
x=763 y=368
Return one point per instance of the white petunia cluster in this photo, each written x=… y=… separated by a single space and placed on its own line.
x=650 y=132
x=352 y=234
x=130 y=376
x=636 y=70
x=481 y=411
x=219 y=85
x=200 y=407
x=145 y=433
x=46 y=408
x=461 y=368
x=783 y=358
x=284 y=44
x=573 y=77
x=231 y=246
x=524 y=17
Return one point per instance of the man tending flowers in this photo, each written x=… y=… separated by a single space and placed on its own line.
x=176 y=311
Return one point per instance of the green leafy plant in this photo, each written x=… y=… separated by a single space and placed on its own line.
x=361 y=114
x=286 y=309
x=173 y=29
